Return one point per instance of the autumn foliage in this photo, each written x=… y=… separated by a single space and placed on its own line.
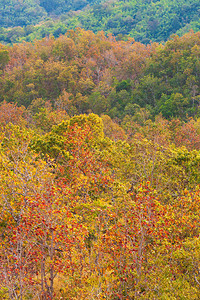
x=105 y=205
x=83 y=216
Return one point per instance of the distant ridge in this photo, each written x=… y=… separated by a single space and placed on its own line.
x=144 y=20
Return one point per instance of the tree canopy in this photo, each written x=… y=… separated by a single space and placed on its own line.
x=146 y=21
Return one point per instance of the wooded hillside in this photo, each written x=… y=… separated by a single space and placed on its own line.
x=83 y=72
x=100 y=153
x=146 y=21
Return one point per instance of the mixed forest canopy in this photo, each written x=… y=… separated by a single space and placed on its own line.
x=99 y=150
x=83 y=72
x=94 y=210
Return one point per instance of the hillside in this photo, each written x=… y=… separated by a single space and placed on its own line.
x=84 y=72
x=99 y=151
x=22 y=13
x=144 y=20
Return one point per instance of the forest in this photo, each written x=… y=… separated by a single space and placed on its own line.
x=100 y=168
x=144 y=20
x=82 y=72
